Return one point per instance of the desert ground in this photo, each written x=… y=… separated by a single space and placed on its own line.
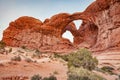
x=46 y=65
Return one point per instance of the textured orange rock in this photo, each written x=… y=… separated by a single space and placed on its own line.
x=99 y=31
x=32 y=33
x=108 y=23
x=101 y=28
x=17 y=26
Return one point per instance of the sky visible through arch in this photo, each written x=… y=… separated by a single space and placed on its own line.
x=40 y=9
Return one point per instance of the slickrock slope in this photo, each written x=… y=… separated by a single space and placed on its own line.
x=99 y=31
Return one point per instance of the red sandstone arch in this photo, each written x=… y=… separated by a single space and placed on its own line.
x=70 y=27
x=57 y=24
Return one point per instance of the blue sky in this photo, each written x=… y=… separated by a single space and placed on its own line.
x=40 y=9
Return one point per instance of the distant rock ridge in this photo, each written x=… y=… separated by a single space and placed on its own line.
x=99 y=30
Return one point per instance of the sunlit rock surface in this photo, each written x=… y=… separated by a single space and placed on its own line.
x=99 y=30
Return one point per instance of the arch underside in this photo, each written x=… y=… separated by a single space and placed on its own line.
x=85 y=36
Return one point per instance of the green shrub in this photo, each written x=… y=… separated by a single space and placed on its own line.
x=65 y=57
x=36 y=54
x=37 y=51
x=36 y=77
x=99 y=70
x=82 y=74
x=107 y=69
x=10 y=50
x=2 y=45
x=16 y=58
x=82 y=58
x=56 y=55
x=52 y=77
x=23 y=47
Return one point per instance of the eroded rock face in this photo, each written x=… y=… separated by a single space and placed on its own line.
x=32 y=33
x=17 y=26
x=108 y=22
x=99 y=31
x=88 y=34
x=101 y=28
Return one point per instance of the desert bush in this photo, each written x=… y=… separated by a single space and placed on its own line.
x=28 y=60
x=2 y=45
x=37 y=51
x=82 y=58
x=107 y=69
x=65 y=57
x=37 y=54
x=82 y=74
x=99 y=70
x=10 y=50
x=16 y=58
x=56 y=55
x=36 y=77
x=23 y=47
x=52 y=77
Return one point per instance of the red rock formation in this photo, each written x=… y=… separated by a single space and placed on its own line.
x=32 y=33
x=17 y=26
x=89 y=33
x=101 y=28
x=99 y=31
x=108 y=22
x=56 y=24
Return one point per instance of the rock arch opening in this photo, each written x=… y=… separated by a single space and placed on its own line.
x=69 y=31
x=68 y=36
x=77 y=23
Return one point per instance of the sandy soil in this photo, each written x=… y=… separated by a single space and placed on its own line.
x=44 y=66
x=47 y=65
